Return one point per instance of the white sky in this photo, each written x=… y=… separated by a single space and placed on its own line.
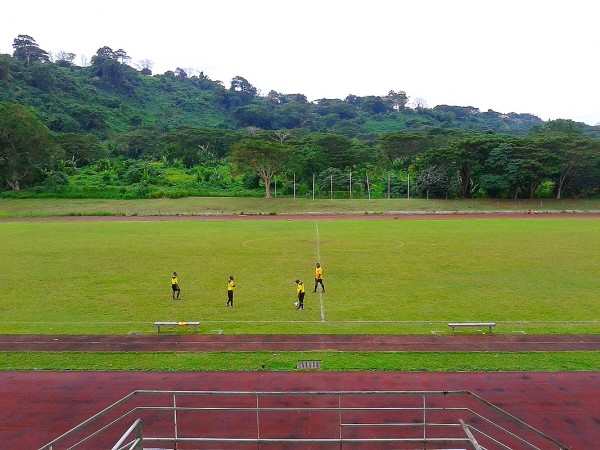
x=525 y=56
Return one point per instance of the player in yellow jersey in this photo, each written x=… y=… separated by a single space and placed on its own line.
x=301 y=292
x=230 y=287
x=175 y=285
x=319 y=278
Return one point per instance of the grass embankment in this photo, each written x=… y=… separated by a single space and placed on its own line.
x=260 y=206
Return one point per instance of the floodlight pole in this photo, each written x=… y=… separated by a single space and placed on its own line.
x=294 y=186
x=313 y=186
x=408 y=186
x=350 y=185
x=331 y=187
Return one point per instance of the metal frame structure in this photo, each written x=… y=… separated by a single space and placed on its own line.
x=342 y=420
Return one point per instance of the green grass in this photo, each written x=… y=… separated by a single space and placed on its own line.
x=213 y=205
x=382 y=276
x=286 y=361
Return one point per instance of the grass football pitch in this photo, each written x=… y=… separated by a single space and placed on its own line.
x=381 y=276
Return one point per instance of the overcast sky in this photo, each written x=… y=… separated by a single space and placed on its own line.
x=524 y=56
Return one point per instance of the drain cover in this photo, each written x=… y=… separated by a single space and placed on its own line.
x=308 y=365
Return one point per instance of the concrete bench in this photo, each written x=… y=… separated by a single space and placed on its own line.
x=177 y=324
x=455 y=325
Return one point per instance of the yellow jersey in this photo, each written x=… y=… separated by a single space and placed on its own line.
x=319 y=273
x=300 y=288
x=230 y=285
x=174 y=280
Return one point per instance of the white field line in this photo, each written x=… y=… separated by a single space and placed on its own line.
x=319 y=259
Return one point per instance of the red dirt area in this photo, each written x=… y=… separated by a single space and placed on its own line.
x=36 y=407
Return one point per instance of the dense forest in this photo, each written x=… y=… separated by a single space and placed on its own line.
x=109 y=128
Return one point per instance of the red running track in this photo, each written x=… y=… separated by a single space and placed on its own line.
x=36 y=407
x=403 y=216
x=309 y=342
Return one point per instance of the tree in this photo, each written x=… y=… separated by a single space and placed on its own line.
x=338 y=150
x=533 y=166
x=467 y=156
x=501 y=172
x=276 y=98
x=397 y=100
x=332 y=179
x=107 y=67
x=65 y=59
x=5 y=73
x=80 y=149
x=419 y=104
x=262 y=157
x=280 y=136
x=138 y=144
x=290 y=115
x=568 y=154
x=573 y=156
x=25 y=144
x=564 y=126
x=437 y=181
x=104 y=52
x=28 y=50
x=187 y=143
x=460 y=112
x=145 y=66
x=307 y=160
x=253 y=115
x=375 y=105
x=121 y=55
x=240 y=84
x=400 y=145
x=342 y=109
x=181 y=74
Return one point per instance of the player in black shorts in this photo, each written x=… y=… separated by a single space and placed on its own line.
x=175 y=285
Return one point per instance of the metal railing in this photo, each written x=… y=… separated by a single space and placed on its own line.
x=331 y=419
x=137 y=443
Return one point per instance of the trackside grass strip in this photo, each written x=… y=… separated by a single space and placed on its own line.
x=287 y=361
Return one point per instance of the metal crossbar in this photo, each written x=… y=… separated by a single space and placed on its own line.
x=137 y=443
x=363 y=417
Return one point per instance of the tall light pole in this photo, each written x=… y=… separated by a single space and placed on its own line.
x=350 y=184
x=331 y=187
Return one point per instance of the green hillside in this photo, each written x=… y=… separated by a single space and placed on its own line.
x=109 y=97
x=105 y=127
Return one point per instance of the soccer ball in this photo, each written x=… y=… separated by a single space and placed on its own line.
x=295 y=304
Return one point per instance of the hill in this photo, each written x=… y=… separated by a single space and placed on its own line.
x=107 y=129
x=110 y=97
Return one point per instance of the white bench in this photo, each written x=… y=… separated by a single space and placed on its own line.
x=455 y=325
x=177 y=324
